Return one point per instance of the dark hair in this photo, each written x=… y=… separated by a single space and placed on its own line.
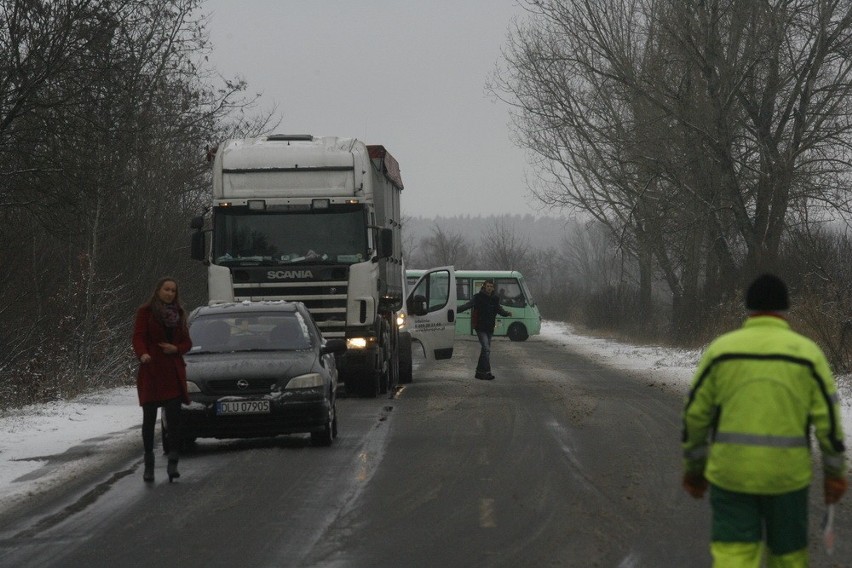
x=488 y=281
x=157 y=305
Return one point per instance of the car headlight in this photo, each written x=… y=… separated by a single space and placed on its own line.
x=311 y=380
x=192 y=387
x=400 y=320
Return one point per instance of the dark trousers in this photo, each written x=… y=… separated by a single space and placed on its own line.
x=484 y=363
x=782 y=520
x=149 y=420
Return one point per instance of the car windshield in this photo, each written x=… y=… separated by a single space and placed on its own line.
x=225 y=333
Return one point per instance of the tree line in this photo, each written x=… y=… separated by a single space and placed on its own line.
x=106 y=108
x=699 y=142
x=710 y=140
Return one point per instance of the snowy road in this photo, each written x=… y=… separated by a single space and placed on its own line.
x=559 y=462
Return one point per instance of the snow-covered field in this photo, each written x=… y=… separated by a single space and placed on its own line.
x=34 y=437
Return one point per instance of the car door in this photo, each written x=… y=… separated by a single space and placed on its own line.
x=431 y=306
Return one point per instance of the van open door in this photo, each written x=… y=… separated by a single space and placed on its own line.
x=431 y=307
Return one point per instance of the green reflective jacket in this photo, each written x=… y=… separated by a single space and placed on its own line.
x=748 y=416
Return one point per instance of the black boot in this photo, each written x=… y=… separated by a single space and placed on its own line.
x=171 y=468
x=148 y=474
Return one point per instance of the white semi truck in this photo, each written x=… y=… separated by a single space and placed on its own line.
x=317 y=220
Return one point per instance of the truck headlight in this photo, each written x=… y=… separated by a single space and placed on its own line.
x=400 y=320
x=311 y=380
x=357 y=343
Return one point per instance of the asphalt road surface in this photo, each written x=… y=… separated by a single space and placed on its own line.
x=557 y=462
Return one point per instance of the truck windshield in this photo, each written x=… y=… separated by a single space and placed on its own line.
x=333 y=236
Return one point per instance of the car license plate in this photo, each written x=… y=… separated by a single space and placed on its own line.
x=242 y=407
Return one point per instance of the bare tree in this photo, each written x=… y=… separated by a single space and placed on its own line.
x=104 y=118
x=697 y=132
x=503 y=248
x=446 y=248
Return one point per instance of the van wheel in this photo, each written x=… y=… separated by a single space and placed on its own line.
x=517 y=332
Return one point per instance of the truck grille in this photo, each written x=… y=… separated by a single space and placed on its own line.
x=326 y=300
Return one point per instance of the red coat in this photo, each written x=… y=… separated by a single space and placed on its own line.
x=164 y=376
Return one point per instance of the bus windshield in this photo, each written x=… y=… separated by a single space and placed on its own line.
x=244 y=237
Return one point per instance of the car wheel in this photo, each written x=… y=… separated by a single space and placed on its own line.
x=517 y=332
x=329 y=432
x=325 y=436
x=186 y=442
x=406 y=374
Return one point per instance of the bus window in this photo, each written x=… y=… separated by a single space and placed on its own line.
x=463 y=290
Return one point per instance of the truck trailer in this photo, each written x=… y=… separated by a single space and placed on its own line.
x=317 y=220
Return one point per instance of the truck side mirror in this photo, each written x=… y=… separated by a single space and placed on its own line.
x=197 y=246
x=385 y=249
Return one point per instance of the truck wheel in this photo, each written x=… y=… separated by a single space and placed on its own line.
x=517 y=332
x=386 y=374
x=369 y=383
x=384 y=378
x=406 y=374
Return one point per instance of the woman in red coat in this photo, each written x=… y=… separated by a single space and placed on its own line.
x=160 y=338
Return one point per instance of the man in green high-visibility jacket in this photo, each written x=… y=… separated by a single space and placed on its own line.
x=757 y=394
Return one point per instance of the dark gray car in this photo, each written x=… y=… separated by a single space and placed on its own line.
x=259 y=369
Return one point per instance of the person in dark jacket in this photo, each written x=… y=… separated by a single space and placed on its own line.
x=160 y=338
x=486 y=306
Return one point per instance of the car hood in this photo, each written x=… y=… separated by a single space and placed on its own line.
x=256 y=364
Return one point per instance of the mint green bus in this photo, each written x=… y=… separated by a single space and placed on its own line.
x=514 y=295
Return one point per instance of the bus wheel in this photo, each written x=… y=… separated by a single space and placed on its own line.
x=517 y=332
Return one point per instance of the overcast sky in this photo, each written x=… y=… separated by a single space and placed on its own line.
x=408 y=75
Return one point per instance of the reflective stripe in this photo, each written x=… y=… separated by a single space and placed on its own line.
x=696 y=453
x=761 y=440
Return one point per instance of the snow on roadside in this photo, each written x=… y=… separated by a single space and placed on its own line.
x=671 y=366
x=35 y=438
